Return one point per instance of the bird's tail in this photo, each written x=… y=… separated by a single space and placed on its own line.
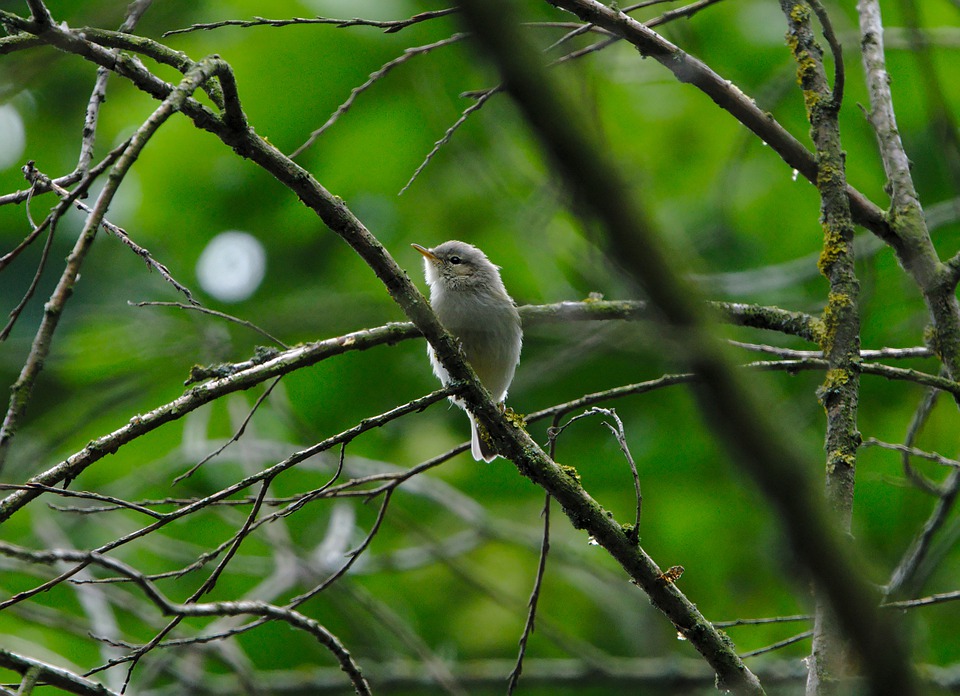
x=478 y=447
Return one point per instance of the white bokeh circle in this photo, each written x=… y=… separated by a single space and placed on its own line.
x=232 y=266
x=13 y=136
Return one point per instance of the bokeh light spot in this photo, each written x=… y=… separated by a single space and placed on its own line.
x=13 y=137
x=232 y=266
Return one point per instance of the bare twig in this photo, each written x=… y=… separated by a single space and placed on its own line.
x=622 y=441
x=233 y=438
x=116 y=230
x=735 y=410
x=528 y=626
x=866 y=354
x=114 y=502
x=769 y=620
x=905 y=449
x=924 y=601
x=352 y=556
x=779 y=644
x=375 y=76
x=53 y=676
x=906 y=573
x=215 y=313
x=481 y=99
x=836 y=95
x=388 y=26
x=917 y=421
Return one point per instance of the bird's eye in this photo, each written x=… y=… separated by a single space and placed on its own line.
x=455 y=260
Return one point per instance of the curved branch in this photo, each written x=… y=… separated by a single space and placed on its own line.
x=250 y=608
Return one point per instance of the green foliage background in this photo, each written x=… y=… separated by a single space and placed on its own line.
x=726 y=202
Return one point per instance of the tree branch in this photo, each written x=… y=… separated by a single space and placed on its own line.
x=840 y=392
x=727 y=96
x=916 y=253
x=53 y=676
x=733 y=409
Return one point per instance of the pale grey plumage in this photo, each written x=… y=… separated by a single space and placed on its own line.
x=468 y=296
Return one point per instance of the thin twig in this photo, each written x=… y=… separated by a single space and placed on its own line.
x=234 y=438
x=481 y=99
x=528 y=626
x=314 y=494
x=836 y=96
x=352 y=556
x=15 y=313
x=621 y=436
x=407 y=54
x=118 y=232
x=769 y=620
x=932 y=456
x=919 y=419
x=389 y=26
x=779 y=644
x=923 y=601
x=867 y=354
x=906 y=572
x=115 y=503
x=214 y=313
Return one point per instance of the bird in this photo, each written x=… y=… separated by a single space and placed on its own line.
x=468 y=296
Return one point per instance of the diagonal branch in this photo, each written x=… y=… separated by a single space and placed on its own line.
x=52 y=675
x=583 y=511
x=727 y=96
x=735 y=411
x=917 y=254
x=53 y=309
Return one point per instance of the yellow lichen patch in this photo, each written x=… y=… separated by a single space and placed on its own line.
x=835 y=378
x=799 y=13
x=517 y=420
x=834 y=246
x=570 y=471
x=827 y=174
x=811 y=100
x=833 y=382
x=841 y=459
x=839 y=299
x=837 y=303
x=818 y=329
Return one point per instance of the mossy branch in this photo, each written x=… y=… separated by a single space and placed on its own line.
x=734 y=409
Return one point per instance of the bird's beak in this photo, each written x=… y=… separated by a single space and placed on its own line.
x=426 y=252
